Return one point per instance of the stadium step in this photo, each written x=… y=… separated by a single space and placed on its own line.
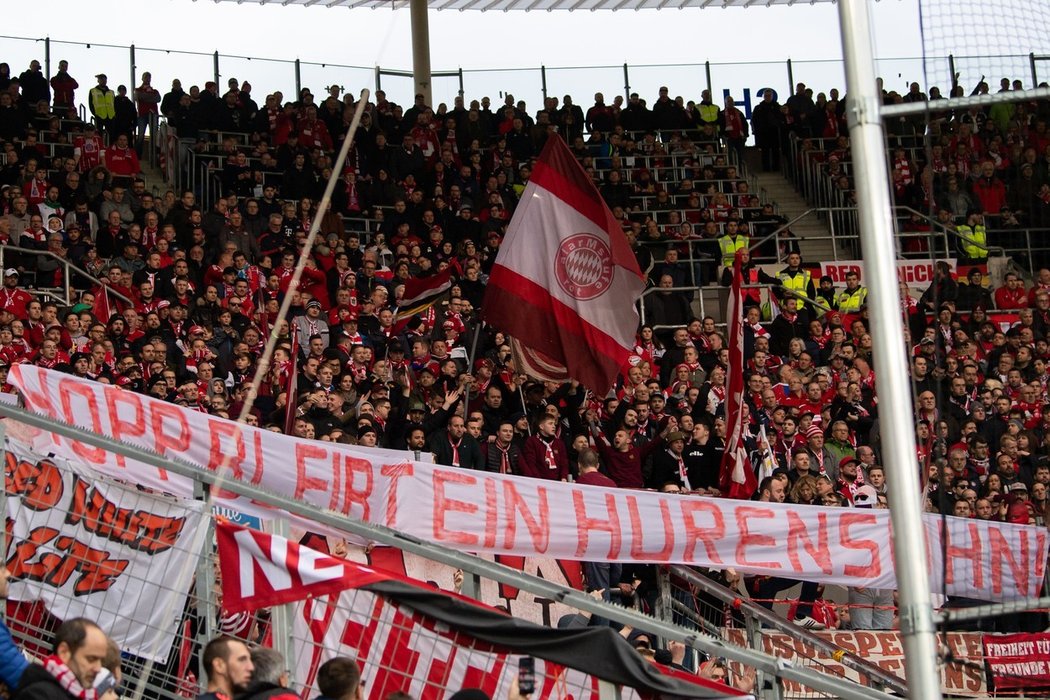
x=813 y=233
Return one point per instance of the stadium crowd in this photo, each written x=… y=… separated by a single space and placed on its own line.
x=198 y=288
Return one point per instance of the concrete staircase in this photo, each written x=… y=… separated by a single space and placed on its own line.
x=812 y=231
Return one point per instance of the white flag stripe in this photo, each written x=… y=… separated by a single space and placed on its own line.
x=543 y=222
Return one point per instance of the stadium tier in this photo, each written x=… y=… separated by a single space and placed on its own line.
x=152 y=247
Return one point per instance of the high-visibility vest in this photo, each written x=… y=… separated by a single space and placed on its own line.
x=977 y=249
x=850 y=302
x=708 y=113
x=102 y=103
x=798 y=283
x=729 y=245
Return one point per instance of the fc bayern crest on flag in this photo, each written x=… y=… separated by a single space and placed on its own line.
x=584 y=266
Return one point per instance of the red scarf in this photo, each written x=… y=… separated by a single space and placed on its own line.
x=65 y=678
x=455 y=450
x=504 y=457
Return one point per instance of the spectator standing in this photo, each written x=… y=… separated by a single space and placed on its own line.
x=543 y=455
x=63 y=86
x=101 y=103
x=34 y=86
x=147 y=101
x=767 y=122
x=600 y=576
x=735 y=128
x=124 y=114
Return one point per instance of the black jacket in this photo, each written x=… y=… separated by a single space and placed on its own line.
x=38 y=684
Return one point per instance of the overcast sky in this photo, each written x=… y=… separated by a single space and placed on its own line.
x=665 y=41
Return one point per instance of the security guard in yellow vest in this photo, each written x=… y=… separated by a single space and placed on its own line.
x=853 y=296
x=796 y=278
x=708 y=111
x=101 y=103
x=974 y=250
x=731 y=241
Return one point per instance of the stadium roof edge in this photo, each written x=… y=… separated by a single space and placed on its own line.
x=539 y=5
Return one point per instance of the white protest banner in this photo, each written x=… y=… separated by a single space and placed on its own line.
x=87 y=547
x=508 y=515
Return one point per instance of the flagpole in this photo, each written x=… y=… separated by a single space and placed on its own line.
x=470 y=365
x=525 y=409
x=291 y=394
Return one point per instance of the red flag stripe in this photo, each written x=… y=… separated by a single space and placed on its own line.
x=566 y=259
x=551 y=326
x=420 y=289
x=567 y=181
x=735 y=458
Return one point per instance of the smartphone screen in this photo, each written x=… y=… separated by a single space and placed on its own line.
x=526 y=676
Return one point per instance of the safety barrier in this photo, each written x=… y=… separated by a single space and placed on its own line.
x=62 y=294
x=128 y=557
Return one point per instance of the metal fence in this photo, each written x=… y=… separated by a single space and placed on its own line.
x=177 y=602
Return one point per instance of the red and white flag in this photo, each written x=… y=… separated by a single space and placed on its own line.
x=423 y=292
x=565 y=281
x=260 y=570
x=737 y=477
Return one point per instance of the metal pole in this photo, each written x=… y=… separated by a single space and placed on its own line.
x=47 y=57
x=131 y=86
x=378 y=79
x=707 y=71
x=626 y=83
x=421 y=81
x=876 y=232
x=1031 y=62
x=462 y=92
x=962 y=103
x=543 y=81
x=951 y=70
x=215 y=67
x=791 y=78
x=281 y=615
x=298 y=80
x=205 y=593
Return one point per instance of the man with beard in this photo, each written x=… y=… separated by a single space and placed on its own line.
x=228 y=664
x=80 y=647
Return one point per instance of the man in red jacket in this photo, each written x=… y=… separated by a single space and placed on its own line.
x=543 y=456
x=122 y=161
x=989 y=190
x=62 y=87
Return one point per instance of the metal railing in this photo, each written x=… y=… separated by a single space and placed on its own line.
x=63 y=294
x=546 y=590
x=771 y=620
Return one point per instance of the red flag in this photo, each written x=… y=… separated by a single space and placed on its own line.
x=565 y=281
x=293 y=386
x=260 y=570
x=102 y=309
x=737 y=477
x=421 y=293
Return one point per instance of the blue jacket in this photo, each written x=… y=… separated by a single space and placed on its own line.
x=12 y=663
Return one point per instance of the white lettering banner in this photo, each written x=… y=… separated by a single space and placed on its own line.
x=485 y=512
x=86 y=547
